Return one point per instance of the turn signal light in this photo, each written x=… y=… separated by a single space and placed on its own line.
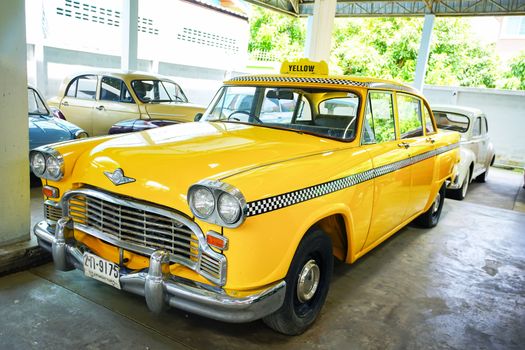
x=216 y=240
x=50 y=191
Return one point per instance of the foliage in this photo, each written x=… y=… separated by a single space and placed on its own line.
x=515 y=76
x=279 y=34
x=388 y=47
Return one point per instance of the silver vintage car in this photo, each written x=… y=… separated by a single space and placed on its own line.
x=477 y=151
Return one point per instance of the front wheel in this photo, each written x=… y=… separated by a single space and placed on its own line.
x=430 y=218
x=307 y=284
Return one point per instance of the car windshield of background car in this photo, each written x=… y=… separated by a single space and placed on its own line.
x=35 y=105
x=451 y=121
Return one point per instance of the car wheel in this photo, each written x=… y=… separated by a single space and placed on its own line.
x=307 y=284
x=461 y=192
x=430 y=218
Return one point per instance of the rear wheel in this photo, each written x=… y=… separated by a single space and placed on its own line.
x=430 y=218
x=307 y=284
x=461 y=192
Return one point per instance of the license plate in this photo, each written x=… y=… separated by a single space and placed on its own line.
x=102 y=270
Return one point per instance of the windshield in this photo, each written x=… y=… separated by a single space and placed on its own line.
x=158 y=91
x=35 y=105
x=322 y=112
x=451 y=121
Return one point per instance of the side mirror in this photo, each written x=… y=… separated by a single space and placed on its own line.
x=198 y=117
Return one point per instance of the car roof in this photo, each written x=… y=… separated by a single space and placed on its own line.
x=121 y=74
x=469 y=111
x=316 y=80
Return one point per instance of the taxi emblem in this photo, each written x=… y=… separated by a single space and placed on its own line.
x=118 y=177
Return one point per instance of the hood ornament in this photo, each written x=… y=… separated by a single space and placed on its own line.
x=118 y=177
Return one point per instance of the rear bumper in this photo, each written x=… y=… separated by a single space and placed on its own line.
x=160 y=289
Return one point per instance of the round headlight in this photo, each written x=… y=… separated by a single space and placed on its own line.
x=38 y=163
x=202 y=202
x=53 y=167
x=81 y=134
x=228 y=208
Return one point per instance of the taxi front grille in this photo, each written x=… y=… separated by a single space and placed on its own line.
x=52 y=211
x=144 y=228
x=135 y=226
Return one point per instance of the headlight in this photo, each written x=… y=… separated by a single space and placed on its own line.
x=202 y=202
x=217 y=203
x=81 y=134
x=47 y=163
x=38 y=163
x=53 y=167
x=228 y=208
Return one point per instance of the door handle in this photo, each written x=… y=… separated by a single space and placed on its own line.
x=65 y=103
x=100 y=108
x=403 y=144
x=431 y=140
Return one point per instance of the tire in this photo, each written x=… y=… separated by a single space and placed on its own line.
x=313 y=260
x=430 y=218
x=461 y=192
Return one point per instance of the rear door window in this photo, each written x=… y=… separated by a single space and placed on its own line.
x=409 y=113
x=83 y=87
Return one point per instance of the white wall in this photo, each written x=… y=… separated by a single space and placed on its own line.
x=505 y=111
x=14 y=142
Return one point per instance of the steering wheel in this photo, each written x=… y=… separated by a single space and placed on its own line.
x=244 y=112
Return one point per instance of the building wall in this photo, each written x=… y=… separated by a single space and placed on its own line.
x=505 y=111
x=14 y=142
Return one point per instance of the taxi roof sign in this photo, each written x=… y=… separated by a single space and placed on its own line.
x=304 y=66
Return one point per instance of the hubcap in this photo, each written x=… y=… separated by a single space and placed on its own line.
x=435 y=206
x=308 y=281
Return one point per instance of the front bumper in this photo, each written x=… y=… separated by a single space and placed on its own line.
x=162 y=289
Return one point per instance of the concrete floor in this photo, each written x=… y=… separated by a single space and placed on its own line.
x=460 y=285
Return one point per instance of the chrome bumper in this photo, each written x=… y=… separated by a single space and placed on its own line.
x=161 y=289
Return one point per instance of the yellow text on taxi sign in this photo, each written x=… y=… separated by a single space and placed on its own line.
x=304 y=66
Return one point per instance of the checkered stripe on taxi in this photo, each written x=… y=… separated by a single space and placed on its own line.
x=294 y=197
x=311 y=80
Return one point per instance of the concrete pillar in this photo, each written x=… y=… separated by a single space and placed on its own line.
x=424 y=51
x=129 y=16
x=14 y=143
x=319 y=31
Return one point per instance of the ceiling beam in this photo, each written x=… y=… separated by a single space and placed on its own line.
x=389 y=8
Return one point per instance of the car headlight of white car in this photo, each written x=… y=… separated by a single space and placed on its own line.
x=217 y=203
x=47 y=163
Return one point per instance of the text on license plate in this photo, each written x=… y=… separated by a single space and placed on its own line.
x=102 y=270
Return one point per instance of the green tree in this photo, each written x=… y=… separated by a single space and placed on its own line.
x=514 y=77
x=388 y=48
x=280 y=35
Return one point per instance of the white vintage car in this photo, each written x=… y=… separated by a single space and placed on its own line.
x=477 y=152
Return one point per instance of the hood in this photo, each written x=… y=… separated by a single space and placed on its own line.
x=183 y=112
x=44 y=130
x=166 y=161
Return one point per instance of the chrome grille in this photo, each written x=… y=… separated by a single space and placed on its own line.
x=135 y=226
x=144 y=228
x=52 y=211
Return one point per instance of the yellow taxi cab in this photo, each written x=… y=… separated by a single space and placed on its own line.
x=239 y=216
x=118 y=102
